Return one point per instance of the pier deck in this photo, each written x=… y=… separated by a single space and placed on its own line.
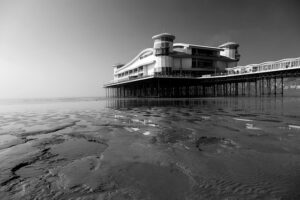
x=260 y=83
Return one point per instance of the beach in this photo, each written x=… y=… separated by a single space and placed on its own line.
x=209 y=148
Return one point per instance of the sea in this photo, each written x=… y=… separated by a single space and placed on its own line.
x=203 y=148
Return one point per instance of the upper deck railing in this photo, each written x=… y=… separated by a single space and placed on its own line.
x=266 y=66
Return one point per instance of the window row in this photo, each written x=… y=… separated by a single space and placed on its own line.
x=130 y=72
x=166 y=39
x=201 y=52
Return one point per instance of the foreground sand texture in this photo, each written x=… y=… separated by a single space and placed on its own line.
x=204 y=149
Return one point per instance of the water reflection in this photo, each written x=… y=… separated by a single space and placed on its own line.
x=278 y=106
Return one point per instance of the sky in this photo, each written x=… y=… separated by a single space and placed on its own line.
x=65 y=48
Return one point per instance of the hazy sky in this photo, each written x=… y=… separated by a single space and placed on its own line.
x=65 y=48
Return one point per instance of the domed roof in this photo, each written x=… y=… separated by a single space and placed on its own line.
x=229 y=44
x=163 y=35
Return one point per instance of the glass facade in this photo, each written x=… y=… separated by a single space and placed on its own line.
x=201 y=63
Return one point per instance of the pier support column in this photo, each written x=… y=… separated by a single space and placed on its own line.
x=158 y=89
x=249 y=88
x=214 y=90
x=255 y=87
x=227 y=89
x=281 y=85
x=262 y=86
x=269 y=86
x=243 y=88
x=275 y=86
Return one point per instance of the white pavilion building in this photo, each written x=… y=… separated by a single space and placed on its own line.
x=178 y=59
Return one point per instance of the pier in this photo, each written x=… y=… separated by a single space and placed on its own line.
x=183 y=70
x=259 y=83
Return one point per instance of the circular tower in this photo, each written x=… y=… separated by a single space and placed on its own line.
x=163 y=43
x=230 y=50
x=163 y=47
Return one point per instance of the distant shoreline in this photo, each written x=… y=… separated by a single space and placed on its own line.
x=47 y=100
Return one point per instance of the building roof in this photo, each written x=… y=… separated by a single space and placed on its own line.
x=227 y=44
x=164 y=35
x=137 y=57
x=227 y=58
x=118 y=65
x=198 y=46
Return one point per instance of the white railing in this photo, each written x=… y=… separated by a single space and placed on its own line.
x=266 y=66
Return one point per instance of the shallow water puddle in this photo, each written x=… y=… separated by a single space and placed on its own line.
x=147 y=133
x=152 y=181
x=9 y=140
x=33 y=170
x=205 y=117
x=135 y=129
x=297 y=127
x=78 y=148
x=242 y=119
x=252 y=127
x=81 y=172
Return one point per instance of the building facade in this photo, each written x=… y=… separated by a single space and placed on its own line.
x=178 y=59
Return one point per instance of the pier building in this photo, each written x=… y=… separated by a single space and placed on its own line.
x=186 y=70
x=179 y=59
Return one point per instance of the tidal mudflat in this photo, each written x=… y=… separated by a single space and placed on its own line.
x=245 y=148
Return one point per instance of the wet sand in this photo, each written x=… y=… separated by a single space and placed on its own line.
x=200 y=149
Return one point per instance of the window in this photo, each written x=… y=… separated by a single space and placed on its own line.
x=162 y=51
x=166 y=70
x=201 y=63
x=281 y=65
